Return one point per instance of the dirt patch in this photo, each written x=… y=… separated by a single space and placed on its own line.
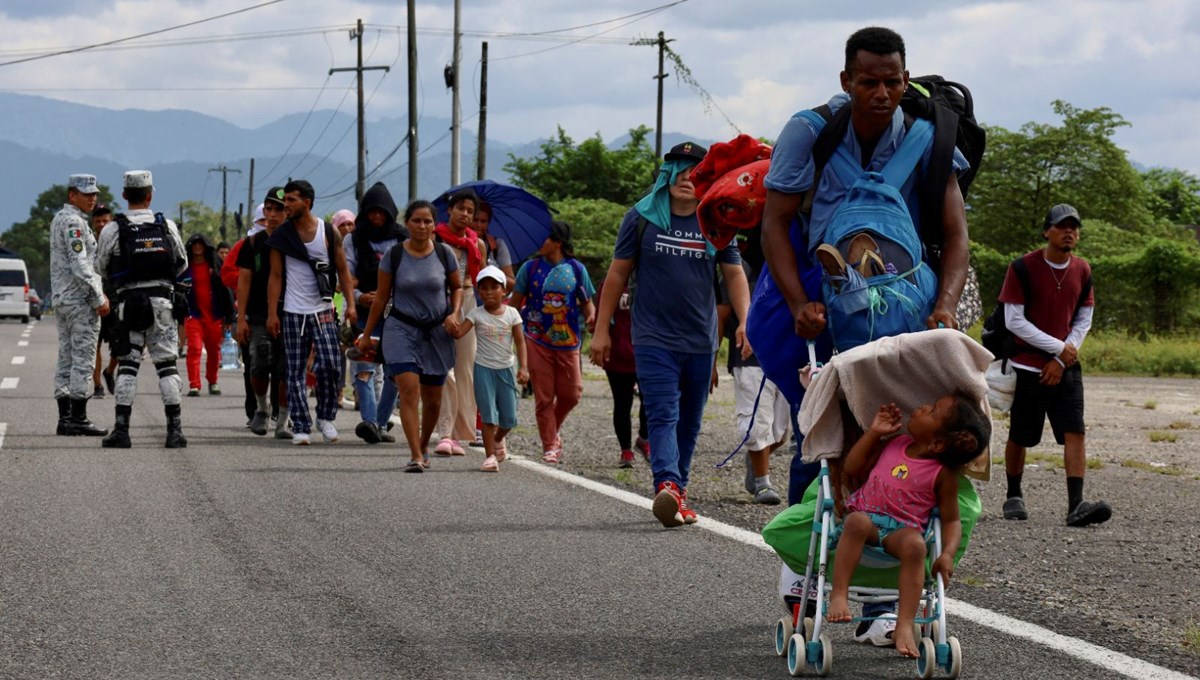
x=1132 y=585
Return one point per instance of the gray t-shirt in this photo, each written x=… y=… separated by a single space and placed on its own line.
x=419 y=292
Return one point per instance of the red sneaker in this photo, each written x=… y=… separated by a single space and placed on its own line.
x=689 y=515
x=643 y=446
x=668 y=505
x=626 y=459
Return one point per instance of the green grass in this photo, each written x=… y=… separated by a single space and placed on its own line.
x=1169 y=470
x=1196 y=412
x=1191 y=639
x=971 y=580
x=1150 y=405
x=1163 y=437
x=623 y=476
x=1180 y=425
x=1050 y=461
x=1115 y=353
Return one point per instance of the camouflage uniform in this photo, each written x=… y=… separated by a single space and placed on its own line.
x=77 y=294
x=161 y=338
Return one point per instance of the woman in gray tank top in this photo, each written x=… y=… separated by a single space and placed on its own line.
x=417 y=347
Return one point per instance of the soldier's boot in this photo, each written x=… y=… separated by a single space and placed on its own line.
x=79 y=425
x=175 y=438
x=119 y=437
x=64 y=416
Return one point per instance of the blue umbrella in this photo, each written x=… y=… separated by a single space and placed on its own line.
x=518 y=217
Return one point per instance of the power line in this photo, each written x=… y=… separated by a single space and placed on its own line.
x=76 y=50
x=638 y=17
x=183 y=42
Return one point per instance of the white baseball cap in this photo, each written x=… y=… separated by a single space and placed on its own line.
x=491 y=272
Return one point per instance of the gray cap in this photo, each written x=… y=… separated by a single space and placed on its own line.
x=1061 y=212
x=84 y=184
x=138 y=179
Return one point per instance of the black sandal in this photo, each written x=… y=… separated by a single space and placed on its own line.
x=414 y=466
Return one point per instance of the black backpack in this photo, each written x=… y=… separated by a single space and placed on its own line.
x=952 y=110
x=996 y=338
x=146 y=252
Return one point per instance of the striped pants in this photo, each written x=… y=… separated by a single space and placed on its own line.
x=301 y=333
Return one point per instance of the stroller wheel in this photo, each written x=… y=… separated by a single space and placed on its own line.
x=795 y=655
x=825 y=661
x=930 y=631
x=955 y=659
x=809 y=625
x=783 y=632
x=926 y=659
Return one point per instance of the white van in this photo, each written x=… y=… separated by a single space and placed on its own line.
x=14 y=289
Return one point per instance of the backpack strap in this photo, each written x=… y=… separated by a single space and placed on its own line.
x=901 y=165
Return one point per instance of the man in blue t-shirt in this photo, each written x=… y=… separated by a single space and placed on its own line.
x=674 y=320
x=874 y=79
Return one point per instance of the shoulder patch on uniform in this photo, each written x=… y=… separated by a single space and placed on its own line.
x=77 y=246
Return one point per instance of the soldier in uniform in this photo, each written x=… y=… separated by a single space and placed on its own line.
x=79 y=302
x=142 y=254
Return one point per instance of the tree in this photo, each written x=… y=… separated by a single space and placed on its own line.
x=201 y=219
x=595 y=222
x=1174 y=195
x=589 y=170
x=31 y=238
x=1026 y=172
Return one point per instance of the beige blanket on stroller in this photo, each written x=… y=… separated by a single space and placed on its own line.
x=910 y=370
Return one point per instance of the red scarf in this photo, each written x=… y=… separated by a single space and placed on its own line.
x=468 y=242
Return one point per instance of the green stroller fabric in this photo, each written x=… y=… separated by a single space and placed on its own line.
x=789 y=533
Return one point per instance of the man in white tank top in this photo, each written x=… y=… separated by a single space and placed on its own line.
x=305 y=253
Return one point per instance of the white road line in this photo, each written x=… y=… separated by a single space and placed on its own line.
x=22 y=343
x=18 y=360
x=9 y=383
x=3 y=431
x=1080 y=649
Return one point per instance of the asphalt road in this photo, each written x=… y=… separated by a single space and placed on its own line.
x=250 y=558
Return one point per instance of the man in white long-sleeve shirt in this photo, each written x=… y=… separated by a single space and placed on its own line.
x=1048 y=304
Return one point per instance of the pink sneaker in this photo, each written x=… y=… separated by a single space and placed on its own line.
x=490 y=464
x=445 y=447
x=456 y=449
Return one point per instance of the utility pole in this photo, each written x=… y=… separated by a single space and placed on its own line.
x=662 y=48
x=224 y=184
x=481 y=157
x=357 y=34
x=250 y=196
x=412 y=100
x=456 y=113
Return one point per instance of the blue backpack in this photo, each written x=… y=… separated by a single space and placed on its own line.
x=861 y=308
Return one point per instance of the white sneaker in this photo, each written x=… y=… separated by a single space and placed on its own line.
x=328 y=431
x=879 y=633
x=300 y=439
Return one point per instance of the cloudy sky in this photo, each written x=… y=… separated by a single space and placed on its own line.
x=761 y=60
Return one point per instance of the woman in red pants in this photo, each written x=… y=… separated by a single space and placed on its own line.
x=210 y=310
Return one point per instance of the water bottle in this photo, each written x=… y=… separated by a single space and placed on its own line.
x=229 y=353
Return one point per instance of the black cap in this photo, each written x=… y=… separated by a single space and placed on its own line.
x=686 y=151
x=1061 y=212
x=274 y=195
x=101 y=209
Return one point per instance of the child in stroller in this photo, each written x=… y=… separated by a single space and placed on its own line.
x=909 y=476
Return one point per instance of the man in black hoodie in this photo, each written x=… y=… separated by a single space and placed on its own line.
x=375 y=231
x=210 y=311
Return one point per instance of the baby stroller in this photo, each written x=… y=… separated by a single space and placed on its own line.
x=896 y=369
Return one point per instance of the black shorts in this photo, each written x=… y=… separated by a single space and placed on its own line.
x=1033 y=402
x=107 y=328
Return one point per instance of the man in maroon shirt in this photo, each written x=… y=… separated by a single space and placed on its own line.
x=1050 y=313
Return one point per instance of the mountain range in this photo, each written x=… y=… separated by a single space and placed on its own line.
x=44 y=140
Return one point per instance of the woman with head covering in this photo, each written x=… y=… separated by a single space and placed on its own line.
x=674 y=320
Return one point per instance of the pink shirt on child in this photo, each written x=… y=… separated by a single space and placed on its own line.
x=899 y=486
